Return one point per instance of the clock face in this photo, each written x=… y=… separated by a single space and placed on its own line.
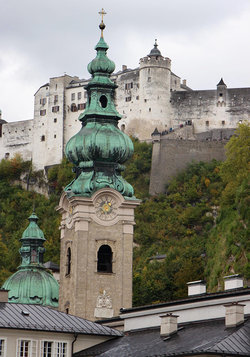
x=105 y=207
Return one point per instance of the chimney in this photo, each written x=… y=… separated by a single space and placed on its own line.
x=4 y=295
x=169 y=324
x=184 y=82
x=234 y=314
x=233 y=282
x=196 y=287
x=124 y=67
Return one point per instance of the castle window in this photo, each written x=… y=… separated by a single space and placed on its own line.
x=223 y=122
x=43 y=138
x=221 y=94
x=145 y=100
x=149 y=79
x=104 y=263
x=127 y=99
x=54 y=136
x=73 y=107
x=55 y=99
x=137 y=97
x=128 y=86
x=103 y=101
x=149 y=71
x=43 y=112
x=43 y=101
x=207 y=123
x=55 y=120
x=81 y=106
x=7 y=155
x=79 y=95
x=149 y=109
x=123 y=127
x=55 y=109
x=56 y=87
x=73 y=96
x=68 y=263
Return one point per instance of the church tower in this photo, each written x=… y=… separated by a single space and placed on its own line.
x=97 y=207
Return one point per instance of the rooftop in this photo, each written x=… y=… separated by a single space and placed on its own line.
x=41 y=318
x=191 y=339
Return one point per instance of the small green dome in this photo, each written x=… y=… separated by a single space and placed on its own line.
x=32 y=286
x=33 y=231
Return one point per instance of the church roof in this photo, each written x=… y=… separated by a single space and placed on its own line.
x=207 y=337
x=41 y=318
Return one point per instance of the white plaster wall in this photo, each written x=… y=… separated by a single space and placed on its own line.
x=11 y=337
x=196 y=311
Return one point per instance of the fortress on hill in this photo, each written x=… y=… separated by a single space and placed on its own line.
x=148 y=97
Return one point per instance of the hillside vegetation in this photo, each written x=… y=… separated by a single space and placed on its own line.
x=200 y=225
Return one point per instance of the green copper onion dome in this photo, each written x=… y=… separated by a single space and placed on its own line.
x=32 y=284
x=100 y=148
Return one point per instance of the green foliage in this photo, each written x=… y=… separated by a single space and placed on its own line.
x=60 y=175
x=138 y=167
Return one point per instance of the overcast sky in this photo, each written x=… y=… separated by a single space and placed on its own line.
x=205 y=39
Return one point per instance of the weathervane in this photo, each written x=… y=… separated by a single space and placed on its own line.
x=102 y=26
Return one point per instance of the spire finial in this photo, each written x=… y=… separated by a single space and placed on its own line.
x=102 y=25
x=156 y=44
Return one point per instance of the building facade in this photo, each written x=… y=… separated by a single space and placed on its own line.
x=147 y=97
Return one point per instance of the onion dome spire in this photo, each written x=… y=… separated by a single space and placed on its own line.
x=32 y=284
x=100 y=148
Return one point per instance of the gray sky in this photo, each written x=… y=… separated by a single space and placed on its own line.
x=205 y=39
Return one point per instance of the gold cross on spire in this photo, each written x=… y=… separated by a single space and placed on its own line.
x=102 y=26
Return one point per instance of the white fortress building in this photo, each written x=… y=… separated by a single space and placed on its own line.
x=147 y=97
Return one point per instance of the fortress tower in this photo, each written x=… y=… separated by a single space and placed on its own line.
x=155 y=84
x=98 y=206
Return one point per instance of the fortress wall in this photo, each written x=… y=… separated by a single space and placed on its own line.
x=17 y=138
x=170 y=156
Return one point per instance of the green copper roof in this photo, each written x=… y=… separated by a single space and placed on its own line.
x=32 y=284
x=100 y=148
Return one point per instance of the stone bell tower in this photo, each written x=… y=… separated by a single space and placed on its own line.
x=97 y=207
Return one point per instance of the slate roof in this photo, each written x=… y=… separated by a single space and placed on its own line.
x=208 y=337
x=37 y=317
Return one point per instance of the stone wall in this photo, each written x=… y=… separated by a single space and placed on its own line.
x=172 y=155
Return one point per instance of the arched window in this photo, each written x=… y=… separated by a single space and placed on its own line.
x=68 y=264
x=104 y=263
